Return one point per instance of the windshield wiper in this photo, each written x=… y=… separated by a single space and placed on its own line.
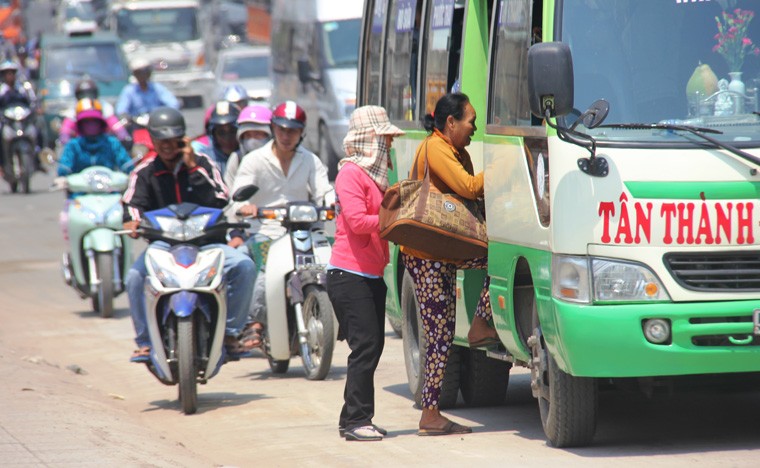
x=696 y=131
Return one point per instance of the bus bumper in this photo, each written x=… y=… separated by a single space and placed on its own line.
x=609 y=341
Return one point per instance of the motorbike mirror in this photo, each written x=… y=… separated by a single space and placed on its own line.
x=330 y=198
x=244 y=193
x=139 y=151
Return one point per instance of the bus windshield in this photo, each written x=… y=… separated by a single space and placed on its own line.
x=158 y=25
x=341 y=43
x=674 y=61
x=101 y=62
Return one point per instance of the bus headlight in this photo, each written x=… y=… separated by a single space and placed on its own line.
x=617 y=281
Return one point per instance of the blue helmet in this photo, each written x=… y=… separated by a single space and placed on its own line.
x=236 y=94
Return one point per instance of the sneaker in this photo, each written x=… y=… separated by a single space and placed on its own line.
x=342 y=430
x=363 y=433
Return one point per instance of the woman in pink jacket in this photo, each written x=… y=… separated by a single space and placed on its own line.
x=355 y=274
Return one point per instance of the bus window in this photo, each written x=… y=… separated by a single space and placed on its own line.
x=373 y=43
x=445 y=21
x=401 y=53
x=517 y=26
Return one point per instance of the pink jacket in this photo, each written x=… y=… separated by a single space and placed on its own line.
x=358 y=246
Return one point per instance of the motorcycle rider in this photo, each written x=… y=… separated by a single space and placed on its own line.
x=92 y=148
x=87 y=88
x=14 y=91
x=253 y=132
x=144 y=95
x=222 y=134
x=179 y=174
x=285 y=172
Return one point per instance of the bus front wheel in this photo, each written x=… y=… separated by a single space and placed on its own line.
x=568 y=405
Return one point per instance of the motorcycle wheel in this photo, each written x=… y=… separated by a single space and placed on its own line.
x=25 y=166
x=277 y=366
x=103 y=300
x=318 y=318
x=188 y=385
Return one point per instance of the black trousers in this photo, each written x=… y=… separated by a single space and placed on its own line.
x=359 y=305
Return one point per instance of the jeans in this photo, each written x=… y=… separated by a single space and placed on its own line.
x=359 y=305
x=258 y=307
x=239 y=272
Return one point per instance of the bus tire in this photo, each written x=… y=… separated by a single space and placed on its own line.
x=568 y=404
x=484 y=380
x=414 y=342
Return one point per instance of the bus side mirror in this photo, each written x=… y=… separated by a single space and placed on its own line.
x=304 y=71
x=550 y=79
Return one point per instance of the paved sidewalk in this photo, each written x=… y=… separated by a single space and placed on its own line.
x=49 y=417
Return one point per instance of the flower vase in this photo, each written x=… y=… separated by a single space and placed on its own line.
x=737 y=86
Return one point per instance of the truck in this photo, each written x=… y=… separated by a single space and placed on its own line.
x=168 y=34
x=620 y=145
x=315 y=45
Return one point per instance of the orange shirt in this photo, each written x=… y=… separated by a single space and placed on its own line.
x=450 y=171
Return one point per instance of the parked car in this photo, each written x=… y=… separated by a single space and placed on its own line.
x=247 y=66
x=67 y=59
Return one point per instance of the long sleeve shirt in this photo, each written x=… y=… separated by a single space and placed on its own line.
x=450 y=170
x=81 y=153
x=358 y=246
x=306 y=181
x=135 y=101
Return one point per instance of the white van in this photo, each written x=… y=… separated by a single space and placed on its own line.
x=315 y=49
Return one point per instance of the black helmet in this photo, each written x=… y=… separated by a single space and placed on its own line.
x=165 y=123
x=86 y=89
x=224 y=113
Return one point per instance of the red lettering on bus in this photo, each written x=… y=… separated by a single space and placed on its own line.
x=606 y=210
x=643 y=221
x=685 y=223
x=668 y=212
x=704 y=229
x=744 y=223
x=723 y=222
x=624 y=226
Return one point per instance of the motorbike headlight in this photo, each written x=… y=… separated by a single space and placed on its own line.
x=183 y=230
x=16 y=112
x=166 y=277
x=570 y=279
x=303 y=214
x=207 y=275
x=616 y=281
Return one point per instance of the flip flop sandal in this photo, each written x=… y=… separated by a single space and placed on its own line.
x=235 y=349
x=141 y=355
x=251 y=337
x=450 y=428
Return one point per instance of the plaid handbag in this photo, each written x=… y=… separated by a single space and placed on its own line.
x=416 y=215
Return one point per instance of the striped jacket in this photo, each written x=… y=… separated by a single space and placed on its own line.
x=153 y=186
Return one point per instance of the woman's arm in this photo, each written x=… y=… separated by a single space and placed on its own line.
x=445 y=165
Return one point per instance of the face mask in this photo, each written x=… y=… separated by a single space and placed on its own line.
x=90 y=128
x=250 y=144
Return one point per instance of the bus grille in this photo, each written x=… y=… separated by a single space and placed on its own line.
x=716 y=271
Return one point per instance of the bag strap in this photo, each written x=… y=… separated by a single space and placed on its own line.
x=419 y=210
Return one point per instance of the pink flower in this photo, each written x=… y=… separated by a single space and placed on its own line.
x=746 y=41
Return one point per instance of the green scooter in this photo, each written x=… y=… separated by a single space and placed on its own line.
x=98 y=260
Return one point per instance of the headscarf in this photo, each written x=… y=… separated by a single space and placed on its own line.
x=365 y=144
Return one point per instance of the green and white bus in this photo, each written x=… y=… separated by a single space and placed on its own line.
x=624 y=229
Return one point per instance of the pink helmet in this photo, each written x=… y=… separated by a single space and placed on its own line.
x=256 y=117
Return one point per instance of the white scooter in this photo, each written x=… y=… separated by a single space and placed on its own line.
x=300 y=317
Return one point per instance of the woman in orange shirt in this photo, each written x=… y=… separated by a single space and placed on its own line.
x=451 y=171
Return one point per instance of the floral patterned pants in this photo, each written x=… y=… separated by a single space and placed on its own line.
x=435 y=289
